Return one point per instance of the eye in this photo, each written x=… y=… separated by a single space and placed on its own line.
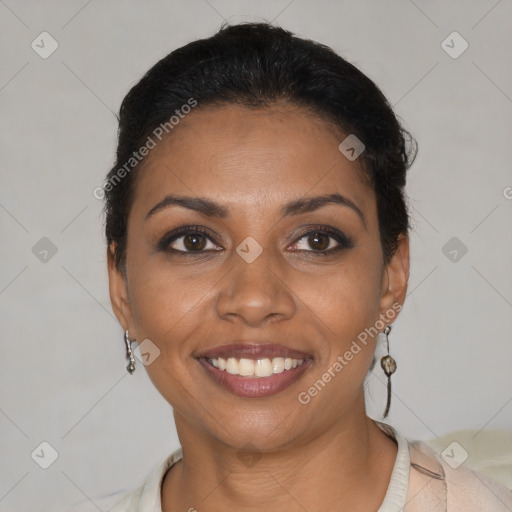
x=191 y=239
x=323 y=241
x=195 y=239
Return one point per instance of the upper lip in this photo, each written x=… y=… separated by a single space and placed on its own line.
x=252 y=350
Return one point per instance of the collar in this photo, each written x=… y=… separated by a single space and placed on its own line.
x=151 y=496
x=396 y=495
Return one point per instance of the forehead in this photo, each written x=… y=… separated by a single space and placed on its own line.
x=247 y=159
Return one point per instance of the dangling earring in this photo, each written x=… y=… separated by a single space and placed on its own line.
x=129 y=354
x=389 y=366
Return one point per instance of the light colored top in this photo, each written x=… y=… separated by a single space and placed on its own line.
x=421 y=481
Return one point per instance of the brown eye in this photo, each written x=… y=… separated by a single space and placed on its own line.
x=188 y=240
x=322 y=241
x=194 y=242
x=319 y=241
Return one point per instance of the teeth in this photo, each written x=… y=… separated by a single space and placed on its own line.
x=245 y=367
x=263 y=368
x=256 y=368
x=232 y=366
x=278 y=365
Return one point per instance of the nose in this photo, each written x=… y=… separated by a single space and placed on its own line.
x=256 y=292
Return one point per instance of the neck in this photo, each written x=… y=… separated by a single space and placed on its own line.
x=334 y=471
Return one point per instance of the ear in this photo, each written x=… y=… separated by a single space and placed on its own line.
x=119 y=296
x=396 y=278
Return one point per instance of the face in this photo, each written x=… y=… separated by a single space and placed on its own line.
x=251 y=291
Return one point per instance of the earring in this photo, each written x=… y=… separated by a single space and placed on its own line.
x=389 y=366
x=129 y=354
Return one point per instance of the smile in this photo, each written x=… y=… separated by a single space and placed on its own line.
x=254 y=371
x=256 y=368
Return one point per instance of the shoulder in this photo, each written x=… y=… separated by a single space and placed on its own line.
x=147 y=497
x=464 y=489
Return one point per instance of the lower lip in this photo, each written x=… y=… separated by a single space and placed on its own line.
x=255 y=387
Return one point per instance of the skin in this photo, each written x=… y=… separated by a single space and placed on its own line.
x=326 y=455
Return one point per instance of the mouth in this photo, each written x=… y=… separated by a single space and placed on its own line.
x=254 y=371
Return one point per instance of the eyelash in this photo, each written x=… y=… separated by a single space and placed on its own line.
x=344 y=241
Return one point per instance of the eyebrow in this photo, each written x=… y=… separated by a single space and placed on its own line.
x=210 y=208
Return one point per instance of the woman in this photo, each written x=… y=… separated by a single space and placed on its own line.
x=257 y=245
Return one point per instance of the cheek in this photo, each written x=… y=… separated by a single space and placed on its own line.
x=166 y=306
x=350 y=292
x=165 y=311
x=348 y=307
x=174 y=306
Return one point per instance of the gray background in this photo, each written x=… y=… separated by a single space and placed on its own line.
x=62 y=368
